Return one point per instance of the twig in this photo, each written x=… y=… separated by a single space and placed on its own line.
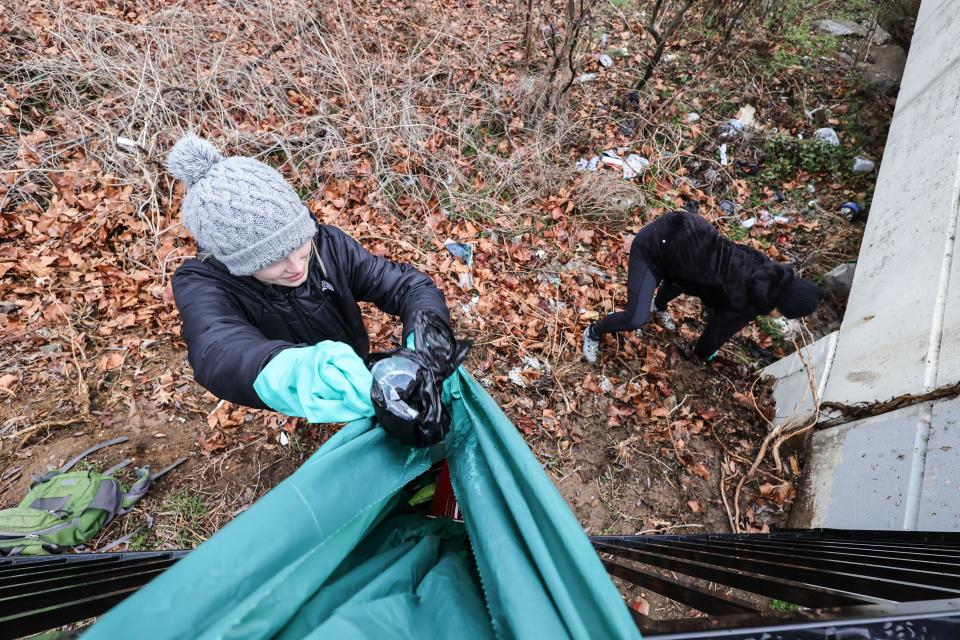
x=723 y=495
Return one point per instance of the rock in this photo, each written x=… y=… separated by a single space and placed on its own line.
x=840 y=279
x=846 y=58
x=881 y=36
x=693 y=117
x=862 y=165
x=839 y=27
x=605 y=61
x=884 y=71
x=827 y=136
x=587 y=77
x=845 y=28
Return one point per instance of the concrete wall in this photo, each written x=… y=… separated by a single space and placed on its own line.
x=901 y=331
x=906 y=291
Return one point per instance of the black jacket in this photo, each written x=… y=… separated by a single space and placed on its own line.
x=234 y=325
x=737 y=283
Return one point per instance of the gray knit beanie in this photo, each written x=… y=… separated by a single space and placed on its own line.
x=238 y=209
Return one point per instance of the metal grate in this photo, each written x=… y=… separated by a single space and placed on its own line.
x=46 y=592
x=850 y=584
x=882 y=583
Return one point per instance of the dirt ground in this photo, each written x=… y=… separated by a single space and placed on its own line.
x=425 y=134
x=620 y=472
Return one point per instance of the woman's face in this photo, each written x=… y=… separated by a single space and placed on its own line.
x=289 y=272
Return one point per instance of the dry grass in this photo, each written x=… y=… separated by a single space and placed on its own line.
x=323 y=90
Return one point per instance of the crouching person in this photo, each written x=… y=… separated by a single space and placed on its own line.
x=681 y=253
x=269 y=306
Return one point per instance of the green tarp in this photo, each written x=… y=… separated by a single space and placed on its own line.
x=333 y=552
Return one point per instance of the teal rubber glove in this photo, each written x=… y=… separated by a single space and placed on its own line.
x=327 y=382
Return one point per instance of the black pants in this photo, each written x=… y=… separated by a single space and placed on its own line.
x=641 y=283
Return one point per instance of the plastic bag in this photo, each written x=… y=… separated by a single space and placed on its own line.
x=407 y=383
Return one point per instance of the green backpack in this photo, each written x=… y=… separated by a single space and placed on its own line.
x=67 y=508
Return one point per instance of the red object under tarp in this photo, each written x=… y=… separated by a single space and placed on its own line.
x=444 y=504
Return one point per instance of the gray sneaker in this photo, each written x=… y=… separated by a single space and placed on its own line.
x=591 y=346
x=666 y=320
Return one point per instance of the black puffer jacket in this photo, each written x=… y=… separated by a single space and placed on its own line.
x=737 y=283
x=234 y=325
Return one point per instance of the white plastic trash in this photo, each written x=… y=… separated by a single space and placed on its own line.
x=637 y=163
x=828 y=136
x=605 y=61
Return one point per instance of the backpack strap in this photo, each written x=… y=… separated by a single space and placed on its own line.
x=142 y=485
x=103 y=445
x=116 y=543
x=165 y=470
x=43 y=477
x=137 y=490
x=120 y=465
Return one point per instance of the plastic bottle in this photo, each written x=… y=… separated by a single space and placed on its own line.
x=395 y=375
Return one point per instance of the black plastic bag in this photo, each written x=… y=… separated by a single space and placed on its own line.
x=407 y=383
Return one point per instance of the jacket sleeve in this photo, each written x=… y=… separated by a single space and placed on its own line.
x=397 y=289
x=224 y=348
x=722 y=326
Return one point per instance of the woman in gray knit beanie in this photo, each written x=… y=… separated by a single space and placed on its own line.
x=269 y=307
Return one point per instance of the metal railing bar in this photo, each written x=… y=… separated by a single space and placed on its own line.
x=688 y=595
x=927 y=563
x=24 y=623
x=112 y=571
x=786 y=589
x=39 y=572
x=952 y=556
x=825 y=622
x=861 y=566
x=884 y=588
x=58 y=596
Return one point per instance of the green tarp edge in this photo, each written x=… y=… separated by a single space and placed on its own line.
x=290 y=566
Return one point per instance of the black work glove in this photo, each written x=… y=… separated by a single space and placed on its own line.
x=433 y=339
